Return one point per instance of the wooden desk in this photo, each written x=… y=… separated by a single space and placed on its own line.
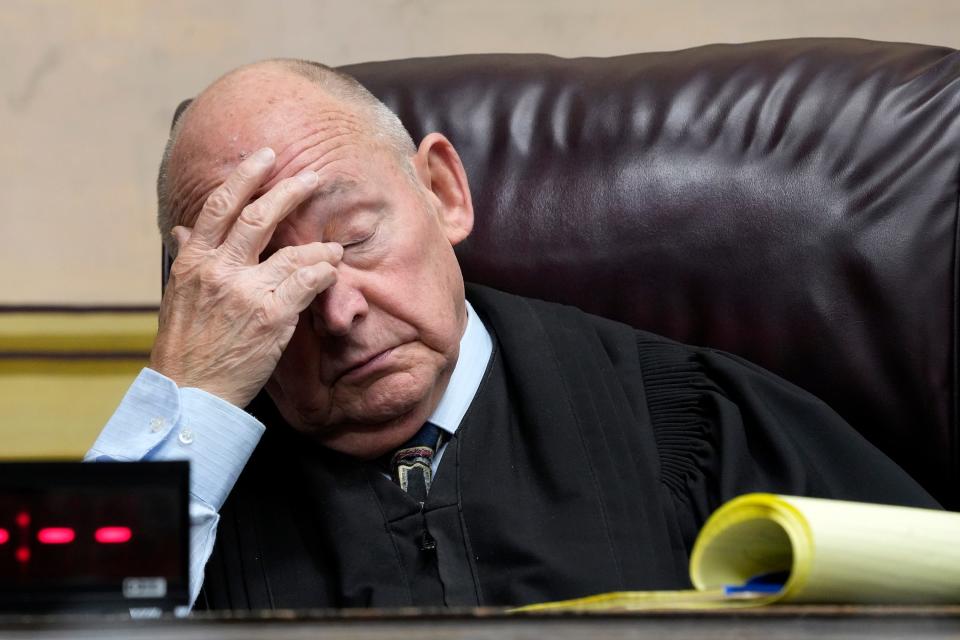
x=772 y=622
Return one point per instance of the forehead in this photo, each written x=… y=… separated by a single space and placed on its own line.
x=321 y=134
x=300 y=137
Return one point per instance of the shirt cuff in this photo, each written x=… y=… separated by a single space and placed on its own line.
x=218 y=438
x=146 y=415
x=156 y=420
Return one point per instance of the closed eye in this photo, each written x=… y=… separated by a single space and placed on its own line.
x=356 y=243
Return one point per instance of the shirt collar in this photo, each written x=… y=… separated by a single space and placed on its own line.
x=475 y=349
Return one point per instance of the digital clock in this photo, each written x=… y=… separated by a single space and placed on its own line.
x=93 y=536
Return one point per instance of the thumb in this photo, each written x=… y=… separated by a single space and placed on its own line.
x=180 y=235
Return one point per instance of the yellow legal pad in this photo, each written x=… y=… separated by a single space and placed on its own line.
x=825 y=551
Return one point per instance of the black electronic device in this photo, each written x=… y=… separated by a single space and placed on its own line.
x=102 y=536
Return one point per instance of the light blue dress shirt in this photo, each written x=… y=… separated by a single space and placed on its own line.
x=157 y=420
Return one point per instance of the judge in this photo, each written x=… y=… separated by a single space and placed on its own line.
x=422 y=442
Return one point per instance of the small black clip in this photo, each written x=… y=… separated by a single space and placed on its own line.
x=427 y=543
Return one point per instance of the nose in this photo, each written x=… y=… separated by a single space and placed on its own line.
x=339 y=308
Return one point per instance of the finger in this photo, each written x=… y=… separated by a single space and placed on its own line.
x=302 y=286
x=258 y=220
x=284 y=262
x=225 y=203
x=180 y=235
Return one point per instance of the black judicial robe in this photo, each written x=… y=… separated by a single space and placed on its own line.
x=587 y=462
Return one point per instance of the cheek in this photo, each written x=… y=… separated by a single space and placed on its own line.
x=426 y=290
x=299 y=346
x=298 y=370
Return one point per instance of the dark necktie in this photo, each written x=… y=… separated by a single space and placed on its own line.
x=410 y=464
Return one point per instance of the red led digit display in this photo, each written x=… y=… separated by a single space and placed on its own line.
x=55 y=535
x=73 y=534
x=112 y=535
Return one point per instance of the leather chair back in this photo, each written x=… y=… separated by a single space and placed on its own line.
x=793 y=202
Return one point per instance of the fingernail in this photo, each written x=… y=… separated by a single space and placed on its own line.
x=308 y=177
x=264 y=156
x=337 y=249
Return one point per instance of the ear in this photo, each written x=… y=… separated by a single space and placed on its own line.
x=440 y=170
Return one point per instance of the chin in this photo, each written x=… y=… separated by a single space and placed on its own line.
x=370 y=421
x=368 y=444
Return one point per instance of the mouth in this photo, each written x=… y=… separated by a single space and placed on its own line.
x=366 y=367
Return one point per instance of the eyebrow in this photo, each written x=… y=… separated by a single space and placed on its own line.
x=337 y=186
x=333 y=188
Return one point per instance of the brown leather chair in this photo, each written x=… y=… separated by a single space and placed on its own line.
x=794 y=202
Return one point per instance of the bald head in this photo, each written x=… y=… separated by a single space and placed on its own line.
x=252 y=107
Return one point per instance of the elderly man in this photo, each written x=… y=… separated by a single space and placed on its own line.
x=425 y=445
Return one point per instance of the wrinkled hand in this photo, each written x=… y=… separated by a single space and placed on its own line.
x=225 y=317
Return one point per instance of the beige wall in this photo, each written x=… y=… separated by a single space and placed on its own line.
x=88 y=90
